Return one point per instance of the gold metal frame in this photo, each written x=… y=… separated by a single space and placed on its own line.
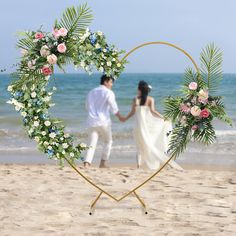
x=133 y=191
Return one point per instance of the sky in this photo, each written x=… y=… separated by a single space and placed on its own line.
x=190 y=24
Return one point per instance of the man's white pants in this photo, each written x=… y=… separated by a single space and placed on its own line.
x=93 y=133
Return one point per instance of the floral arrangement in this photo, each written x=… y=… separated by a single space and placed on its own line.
x=69 y=42
x=194 y=112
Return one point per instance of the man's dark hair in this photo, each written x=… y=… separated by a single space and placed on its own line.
x=106 y=78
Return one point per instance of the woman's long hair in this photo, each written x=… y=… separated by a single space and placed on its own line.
x=144 y=88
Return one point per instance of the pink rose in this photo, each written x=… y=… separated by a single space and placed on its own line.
x=194 y=127
x=61 y=48
x=195 y=111
x=203 y=101
x=203 y=94
x=204 y=113
x=192 y=86
x=184 y=108
x=39 y=35
x=52 y=59
x=46 y=70
x=63 y=32
x=56 y=33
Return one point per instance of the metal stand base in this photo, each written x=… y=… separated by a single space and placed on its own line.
x=92 y=207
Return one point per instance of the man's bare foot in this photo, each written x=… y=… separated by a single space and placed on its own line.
x=86 y=164
x=103 y=164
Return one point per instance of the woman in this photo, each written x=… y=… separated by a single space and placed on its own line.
x=150 y=130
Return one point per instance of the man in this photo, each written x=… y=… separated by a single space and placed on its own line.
x=100 y=101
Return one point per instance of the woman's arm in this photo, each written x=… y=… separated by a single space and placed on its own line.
x=153 y=111
x=131 y=113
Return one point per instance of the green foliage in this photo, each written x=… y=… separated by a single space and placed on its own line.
x=75 y=20
x=211 y=67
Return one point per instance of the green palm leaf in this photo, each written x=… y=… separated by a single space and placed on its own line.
x=179 y=140
x=75 y=20
x=172 y=110
x=206 y=134
x=211 y=67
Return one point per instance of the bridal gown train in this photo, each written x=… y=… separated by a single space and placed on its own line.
x=150 y=135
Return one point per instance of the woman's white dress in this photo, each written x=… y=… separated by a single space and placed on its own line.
x=150 y=135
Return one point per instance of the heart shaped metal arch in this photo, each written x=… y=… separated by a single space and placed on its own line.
x=133 y=191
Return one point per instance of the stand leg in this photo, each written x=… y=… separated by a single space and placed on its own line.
x=141 y=201
x=93 y=203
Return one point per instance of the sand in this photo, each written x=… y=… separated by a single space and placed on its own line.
x=46 y=200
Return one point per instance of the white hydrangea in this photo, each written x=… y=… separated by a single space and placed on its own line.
x=65 y=145
x=52 y=135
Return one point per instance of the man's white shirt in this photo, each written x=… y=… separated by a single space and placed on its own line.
x=99 y=103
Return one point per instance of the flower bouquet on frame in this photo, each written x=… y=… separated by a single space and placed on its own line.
x=193 y=113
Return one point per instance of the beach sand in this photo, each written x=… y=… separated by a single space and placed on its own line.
x=47 y=200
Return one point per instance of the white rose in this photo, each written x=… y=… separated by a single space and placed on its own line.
x=104 y=50
x=89 y=53
x=33 y=94
x=31 y=64
x=43 y=133
x=46 y=99
x=82 y=64
x=36 y=139
x=17 y=108
x=83 y=145
x=97 y=45
x=44 y=51
x=36 y=123
x=101 y=69
x=45 y=143
x=61 y=138
x=72 y=154
x=63 y=152
x=47 y=123
x=109 y=63
x=50 y=147
x=118 y=65
x=23 y=113
x=65 y=145
x=52 y=135
x=99 y=33
x=9 y=88
x=113 y=59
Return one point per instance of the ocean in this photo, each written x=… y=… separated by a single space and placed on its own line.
x=69 y=99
